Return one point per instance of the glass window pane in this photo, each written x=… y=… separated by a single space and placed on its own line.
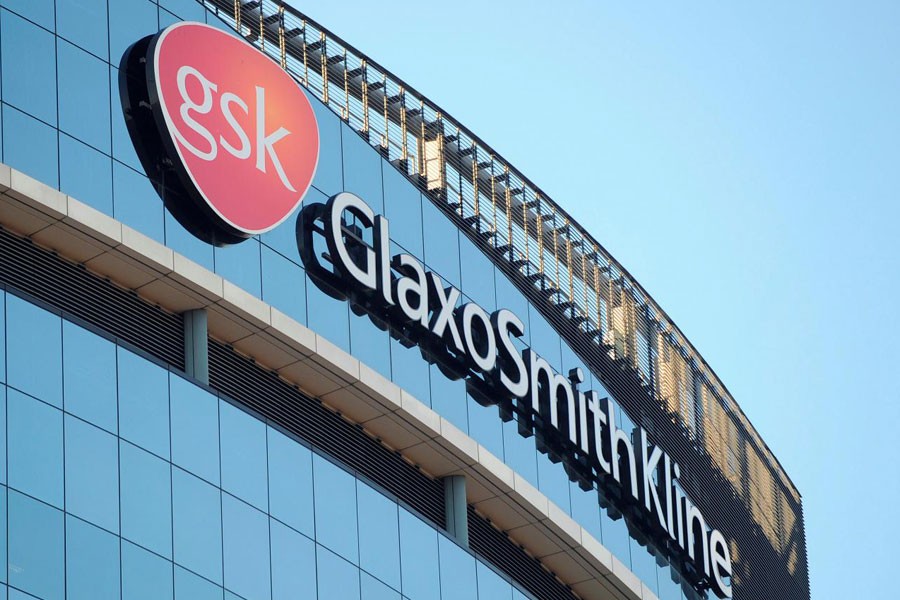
x=190 y=587
x=136 y=203
x=485 y=426
x=337 y=578
x=283 y=239
x=403 y=208
x=2 y=327
x=616 y=538
x=553 y=482
x=30 y=146
x=2 y=439
x=240 y=264
x=29 y=78
x=129 y=20
x=293 y=564
x=92 y=562
x=644 y=566
x=39 y=11
x=243 y=442
x=83 y=22
x=3 y=537
x=362 y=169
x=35 y=438
x=492 y=586
x=586 y=510
x=146 y=499
x=519 y=452
x=92 y=474
x=370 y=344
x=184 y=242
x=329 y=177
x=441 y=243
x=246 y=549
x=195 y=429
x=284 y=285
x=335 y=491
x=84 y=94
x=145 y=576
x=143 y=403
x=372 y=589
x=448 y=398
x=89 y=366
x=123 y=149
x=85 y=174
x=197 y=511
x=419 y=558
x=379 y=535
x=477 y=274
x=328 y=317
x=290 y=482
x=36 y=547
x=189 y=10
x=458 y=580
x=410 y=371
x=33 y=350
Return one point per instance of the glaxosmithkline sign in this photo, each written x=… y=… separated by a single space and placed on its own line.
x=572 y=426
x=233 y=144
x=229 y=136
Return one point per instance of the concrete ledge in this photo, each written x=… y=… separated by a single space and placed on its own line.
x=400 y=421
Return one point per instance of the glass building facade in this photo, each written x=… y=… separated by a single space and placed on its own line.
x=124 y=478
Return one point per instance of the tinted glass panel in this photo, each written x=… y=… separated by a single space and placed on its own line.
x=36 y=546
x=85 y=174
x=89 y=366
x=29 y=78
x=293 y=564
x=136 y=203
x=362 y=169
x=243 y=443
x=329 y=178
x=337 y=578
x=379 y=535
x=83 y=22
x=491 y=585
x=284 y=285
x=39 y=11
x=290 y=482
x=190 y=587
x=240 y=265
x=197 y=512
x=246 y=549
x=419 y=558
x=457 y=571
x=403 y=208
x=146 y=499
x=92 y=474
x=145 y=576
x=92 y=562
x=143 y=403
x=84 y=96
x=34 y=350
x=335 y=491
x=195 y=429
x=35 y=451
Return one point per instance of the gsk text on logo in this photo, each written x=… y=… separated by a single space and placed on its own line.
x=227 y=136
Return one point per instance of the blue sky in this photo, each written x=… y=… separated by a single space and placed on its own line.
x=743 y=162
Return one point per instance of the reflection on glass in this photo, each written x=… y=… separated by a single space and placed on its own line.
x=245 y=533
x=293 y=564
x=243 y=447
x=197 y=515
x=92 y=562
x=92 y=474
x=145 y=576
x=146 y=499
x=36 y=546
x=335 y=492
x=35 y=448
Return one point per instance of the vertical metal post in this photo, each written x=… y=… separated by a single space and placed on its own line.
x=196 y=345
x=456 y=508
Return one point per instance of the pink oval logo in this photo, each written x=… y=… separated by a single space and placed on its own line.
x=242 y=131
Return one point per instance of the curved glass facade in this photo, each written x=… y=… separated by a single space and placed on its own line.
x=167 y=490
x=124 y=479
